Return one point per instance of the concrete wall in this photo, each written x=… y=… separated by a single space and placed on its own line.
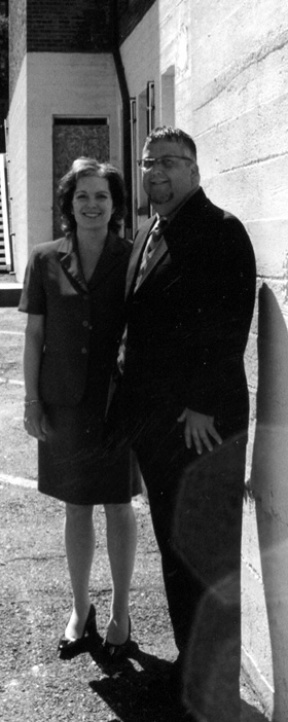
x=239 y=118
x=16 y=167
x=56 y=84
x=228 y=61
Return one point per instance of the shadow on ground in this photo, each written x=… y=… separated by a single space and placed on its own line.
x=35 y=600
x=138 y=689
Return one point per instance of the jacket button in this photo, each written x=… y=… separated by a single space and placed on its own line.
x=85 y=323
x=84 y=350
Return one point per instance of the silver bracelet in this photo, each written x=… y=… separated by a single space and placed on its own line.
x=31 y=402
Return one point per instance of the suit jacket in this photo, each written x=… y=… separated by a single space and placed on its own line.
x=55 y=287
x=189 y=320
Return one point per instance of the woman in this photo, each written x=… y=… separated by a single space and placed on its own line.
x=74 y=296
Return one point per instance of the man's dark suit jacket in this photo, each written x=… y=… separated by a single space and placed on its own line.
x=54 y=286
x=189 y=320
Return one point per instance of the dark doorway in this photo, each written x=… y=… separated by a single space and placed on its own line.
x=72 y=138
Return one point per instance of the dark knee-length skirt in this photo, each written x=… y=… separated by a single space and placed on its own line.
x=74 y=466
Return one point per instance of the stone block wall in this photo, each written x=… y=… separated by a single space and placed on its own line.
x=228 y=63
x=239 y=113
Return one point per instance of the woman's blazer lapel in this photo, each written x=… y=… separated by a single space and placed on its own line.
x=69 y=261
x=108 y=260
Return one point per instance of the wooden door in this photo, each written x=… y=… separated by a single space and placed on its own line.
x=72 y=138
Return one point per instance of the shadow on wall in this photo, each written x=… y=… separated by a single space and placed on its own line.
x=269 y=484
x=207 y=535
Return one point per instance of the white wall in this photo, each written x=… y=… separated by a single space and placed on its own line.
x=57 y=84
x=160 y=42
x=17 y=165
x=230 y=61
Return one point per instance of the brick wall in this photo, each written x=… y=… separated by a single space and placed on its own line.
x=130 y=12
x=68 y=26
x=65 y=26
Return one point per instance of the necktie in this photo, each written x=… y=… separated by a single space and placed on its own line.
x=152 y=243
x=153 y=240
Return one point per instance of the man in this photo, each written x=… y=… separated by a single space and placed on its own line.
x=190 y=297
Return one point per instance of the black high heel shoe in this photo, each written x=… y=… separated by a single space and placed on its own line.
x=70 y=647
x=114 y=652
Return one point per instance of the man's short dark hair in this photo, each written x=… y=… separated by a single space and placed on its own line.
x=172 y=135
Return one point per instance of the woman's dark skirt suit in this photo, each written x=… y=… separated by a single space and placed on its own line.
x=83 y=327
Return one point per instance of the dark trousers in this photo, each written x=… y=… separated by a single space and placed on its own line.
x=183 y=588
x=196 y=509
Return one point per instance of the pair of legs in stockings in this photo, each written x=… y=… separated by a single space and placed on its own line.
x=121 y=546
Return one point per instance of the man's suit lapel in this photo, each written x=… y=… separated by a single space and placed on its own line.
x=135 y=261
x=190 y=221
x=158 y=254
x=136 y=256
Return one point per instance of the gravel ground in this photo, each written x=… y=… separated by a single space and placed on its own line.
x=35 y=684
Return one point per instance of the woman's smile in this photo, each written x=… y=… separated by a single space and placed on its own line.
x=92 y=202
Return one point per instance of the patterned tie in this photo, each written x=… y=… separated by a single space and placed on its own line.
x=152 y=243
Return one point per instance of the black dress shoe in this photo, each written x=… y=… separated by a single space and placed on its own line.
x=70 y=647
x=114 y=652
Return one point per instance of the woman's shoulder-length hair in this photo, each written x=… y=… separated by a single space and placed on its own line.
x=80 y=168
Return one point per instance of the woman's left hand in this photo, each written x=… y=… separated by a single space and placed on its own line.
x=35 y=421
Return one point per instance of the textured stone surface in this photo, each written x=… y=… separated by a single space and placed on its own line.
x=229 y=65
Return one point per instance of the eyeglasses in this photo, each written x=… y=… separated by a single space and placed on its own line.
x=166 y=161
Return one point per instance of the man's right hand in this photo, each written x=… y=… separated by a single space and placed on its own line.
x=198 y=430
